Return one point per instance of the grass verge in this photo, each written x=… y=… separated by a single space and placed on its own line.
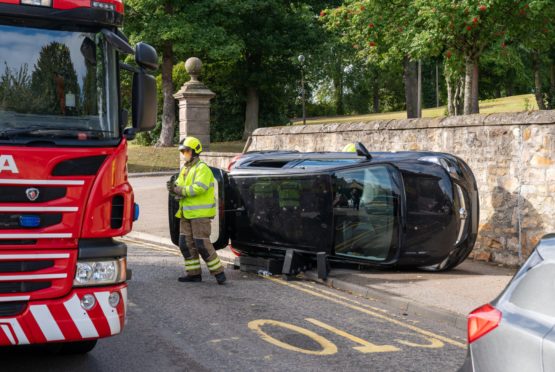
x=520 y=103
x=144 y=159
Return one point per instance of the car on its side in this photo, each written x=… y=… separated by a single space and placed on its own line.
x=516 y=331
x=390 y=209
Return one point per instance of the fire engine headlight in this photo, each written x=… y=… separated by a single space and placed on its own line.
x=91 y=273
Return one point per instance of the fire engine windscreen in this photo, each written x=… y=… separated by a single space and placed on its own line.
x=60 y=85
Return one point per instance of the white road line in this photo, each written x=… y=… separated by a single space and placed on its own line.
x=46 y=322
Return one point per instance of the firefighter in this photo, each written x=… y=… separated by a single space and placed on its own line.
x=349 y=148
x=197 y=206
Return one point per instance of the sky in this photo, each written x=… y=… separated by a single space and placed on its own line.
x=19 y=45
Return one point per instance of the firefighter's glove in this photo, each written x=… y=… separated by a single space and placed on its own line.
x=169 y=186
x=178 y=190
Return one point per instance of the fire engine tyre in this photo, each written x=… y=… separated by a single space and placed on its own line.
x=80 y=347
x=173 y=207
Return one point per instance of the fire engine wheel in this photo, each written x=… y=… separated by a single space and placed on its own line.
x=80 y=347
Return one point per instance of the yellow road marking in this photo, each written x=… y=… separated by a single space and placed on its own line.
x=328 y=347
x=367 y=347
x=433 y=343
x=372 y=313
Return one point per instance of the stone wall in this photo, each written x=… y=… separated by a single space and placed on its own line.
x=512 y=156
x=218 y=159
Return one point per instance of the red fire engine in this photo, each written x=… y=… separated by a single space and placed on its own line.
x=64 y=193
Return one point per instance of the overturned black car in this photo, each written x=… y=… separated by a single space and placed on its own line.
x=398 y=209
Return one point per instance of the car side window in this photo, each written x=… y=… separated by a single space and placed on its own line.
x=536 y=290
x=364 y=206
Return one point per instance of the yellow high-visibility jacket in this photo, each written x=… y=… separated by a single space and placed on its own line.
x=197 y=181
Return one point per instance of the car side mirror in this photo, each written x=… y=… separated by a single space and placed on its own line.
x=144 y=102
x=146 y=56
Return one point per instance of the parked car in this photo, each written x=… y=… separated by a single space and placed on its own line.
x=516 y=331
x=397 y=209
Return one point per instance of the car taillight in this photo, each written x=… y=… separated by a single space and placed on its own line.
x=482 y=321
x=233 y=161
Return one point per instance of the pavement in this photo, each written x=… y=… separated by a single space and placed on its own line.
x=446 y=297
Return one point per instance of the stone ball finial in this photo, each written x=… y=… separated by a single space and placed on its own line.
x=193 y=66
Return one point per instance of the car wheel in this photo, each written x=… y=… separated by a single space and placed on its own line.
x=80 y=347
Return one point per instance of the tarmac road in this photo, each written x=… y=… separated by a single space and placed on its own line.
x=252 y=323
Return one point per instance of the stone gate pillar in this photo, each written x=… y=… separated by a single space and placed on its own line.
x=194 y=105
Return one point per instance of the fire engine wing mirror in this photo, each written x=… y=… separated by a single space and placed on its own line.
x=144 y=102
x=119 y=43
x=146 y=56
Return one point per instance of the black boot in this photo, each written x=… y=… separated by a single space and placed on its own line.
x=220 y=278
x=190 y=279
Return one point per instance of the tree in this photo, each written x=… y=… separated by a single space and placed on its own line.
x=469 y=28
x=15 y=89
x=53 y=77
x=383 y=33
x=177 y=29
x=272 y=33
x=536 y=41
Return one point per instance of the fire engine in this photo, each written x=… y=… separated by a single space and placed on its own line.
x=64 y=192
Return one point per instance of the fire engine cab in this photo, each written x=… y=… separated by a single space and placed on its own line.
x=64 y=193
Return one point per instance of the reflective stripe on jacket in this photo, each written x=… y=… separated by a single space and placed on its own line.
x=197 y=181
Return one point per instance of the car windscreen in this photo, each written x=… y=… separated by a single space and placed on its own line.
x=57 y=85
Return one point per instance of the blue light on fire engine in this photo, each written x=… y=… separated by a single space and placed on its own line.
x=29 y=221
x=136 y=212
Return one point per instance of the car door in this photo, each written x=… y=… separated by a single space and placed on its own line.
x=219 y=235
x=366 y=208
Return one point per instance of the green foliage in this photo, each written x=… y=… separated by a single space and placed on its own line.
x=354 y=51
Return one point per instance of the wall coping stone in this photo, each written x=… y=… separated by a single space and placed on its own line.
x=214 y=154
x=500 y=119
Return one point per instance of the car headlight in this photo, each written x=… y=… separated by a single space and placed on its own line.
x=91 y=273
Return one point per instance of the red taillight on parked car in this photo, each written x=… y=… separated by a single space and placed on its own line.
x=233 y=161
x=482 y=321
